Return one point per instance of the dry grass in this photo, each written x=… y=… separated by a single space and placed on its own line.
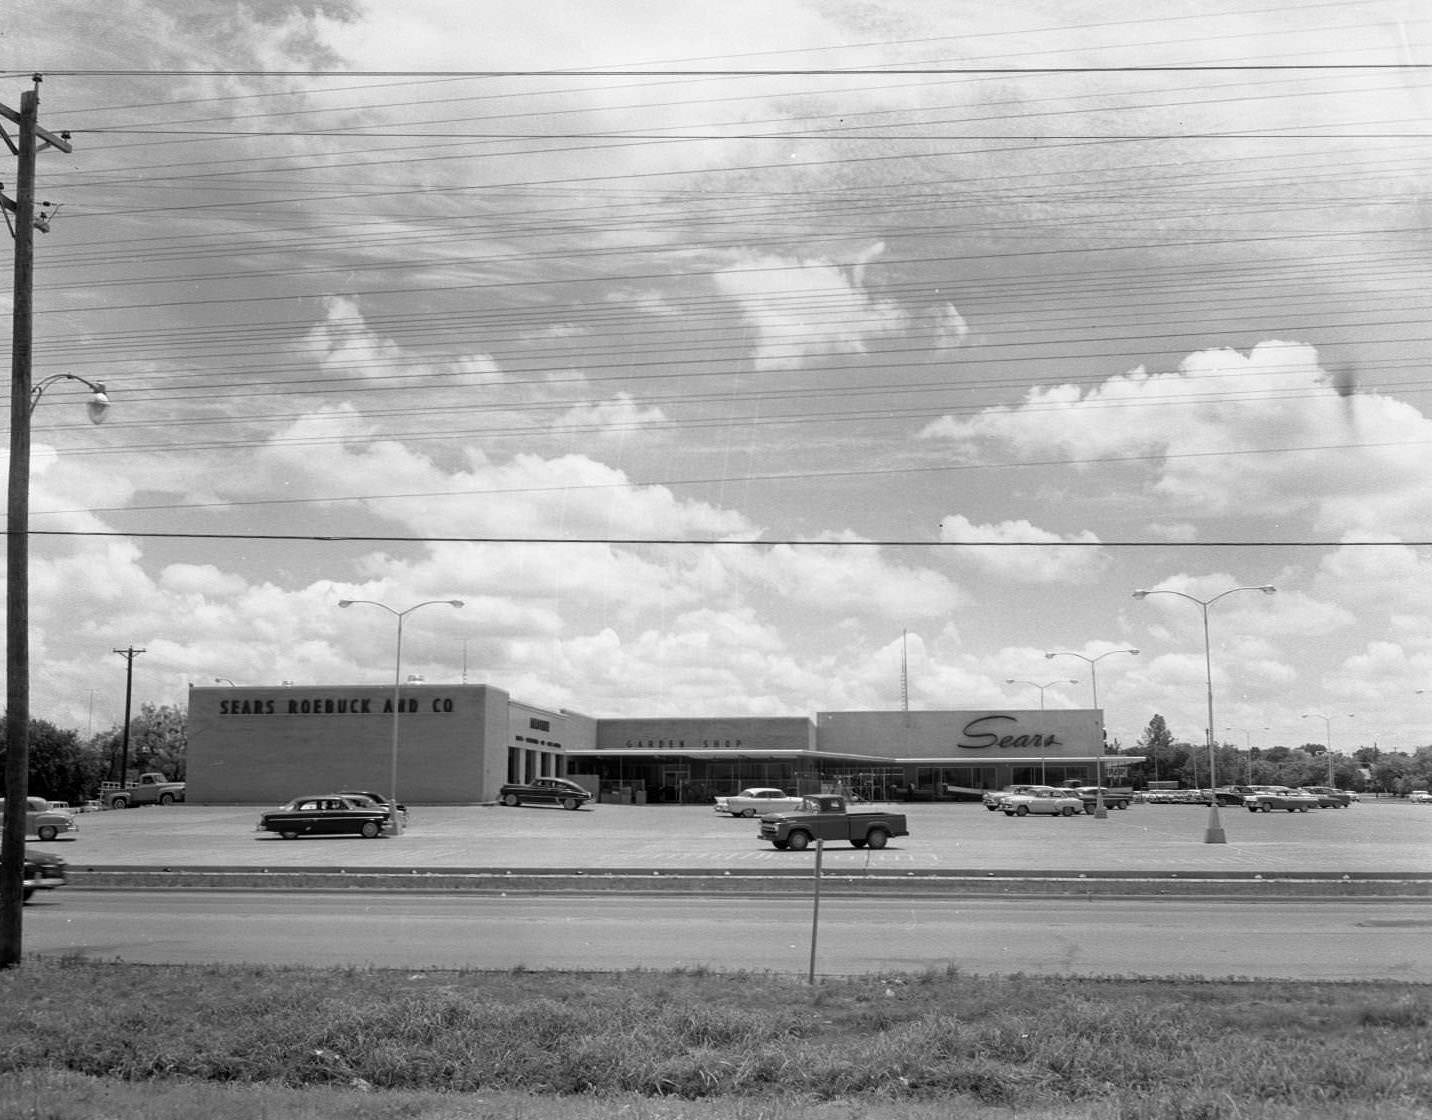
x=91 y=1040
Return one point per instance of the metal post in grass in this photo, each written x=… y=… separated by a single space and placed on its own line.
x=815 y=911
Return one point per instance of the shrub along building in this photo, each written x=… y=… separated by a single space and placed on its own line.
x=458 y=744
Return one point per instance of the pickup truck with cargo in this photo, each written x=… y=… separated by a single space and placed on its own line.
x=1114 y=797
x=825 y=817
x=150 y=789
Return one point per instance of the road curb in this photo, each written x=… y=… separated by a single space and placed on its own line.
x=796 y=881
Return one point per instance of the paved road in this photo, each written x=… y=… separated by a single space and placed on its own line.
x=1285 y=940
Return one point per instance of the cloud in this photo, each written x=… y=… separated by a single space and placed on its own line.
x=807 y=308
x=1001 y=554
x=616 y=417
x=1266 y=434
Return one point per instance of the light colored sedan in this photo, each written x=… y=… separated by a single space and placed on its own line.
x=1049 y=802
x=758 y=801
x=44 y=821
x=1265 y=799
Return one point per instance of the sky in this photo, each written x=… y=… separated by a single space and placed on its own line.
x=751 y=359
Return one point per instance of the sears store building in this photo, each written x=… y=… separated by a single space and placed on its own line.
x=458 y=744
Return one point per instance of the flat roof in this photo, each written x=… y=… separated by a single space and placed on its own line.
x=922 y=760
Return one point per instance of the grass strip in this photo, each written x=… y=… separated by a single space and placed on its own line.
x=1126 y=1048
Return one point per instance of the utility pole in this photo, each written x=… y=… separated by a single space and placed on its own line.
x=129 y=655
x=17 y=528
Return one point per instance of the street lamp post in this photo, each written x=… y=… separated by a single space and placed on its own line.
x=397 y=687
x=1328 y=731
x=1248 y=745
x=23 y=399
x=1214 y=833
x=1041 y=687
x=1100 y=813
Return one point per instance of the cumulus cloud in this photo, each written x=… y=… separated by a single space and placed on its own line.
x=344 y=345
x=1265 y=434
x=803 y=308
x=1009 y=550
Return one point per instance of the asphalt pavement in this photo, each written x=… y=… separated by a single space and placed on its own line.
x=1373 y=847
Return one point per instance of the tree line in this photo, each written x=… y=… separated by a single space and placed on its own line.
x=65 y=767
x=1367 y=769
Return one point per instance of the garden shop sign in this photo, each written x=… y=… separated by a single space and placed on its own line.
x=334 y=706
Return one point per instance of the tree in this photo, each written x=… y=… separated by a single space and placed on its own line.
x=1156 y=744
x=158 y=740
x=61 y=767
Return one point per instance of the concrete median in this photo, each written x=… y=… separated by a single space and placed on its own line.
x=894 y=884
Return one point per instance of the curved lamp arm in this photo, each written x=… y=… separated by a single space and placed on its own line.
x=97 y=405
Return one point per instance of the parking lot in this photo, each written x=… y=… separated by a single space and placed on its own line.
x=1390 y=836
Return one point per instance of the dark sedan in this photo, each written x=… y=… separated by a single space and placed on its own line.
x=328 y=814
x=545 y=791
x=43 y=872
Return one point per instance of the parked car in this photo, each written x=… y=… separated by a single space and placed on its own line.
x=544 y=791
x=43 y=821
x=758 y=801
x=1328 y=797
x=378 y=799
x=328 y=814
x=993 y=799
x=1420 y=797
x=1267 y=798
x=43 y=872
x=1092 y=795
x=1048 y=802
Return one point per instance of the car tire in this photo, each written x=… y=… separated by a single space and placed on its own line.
x=798 y=841
x=569 y=803
x=877 y=838
x=1022 y=811
x=166 y=799
x=1068 y=811
x=1009 y=812
x=857 y=842
x=780 y=845
x=369 y=830
x=46 y=832
x=748 y=813
x=289 y=835
x=119 y=803
x=511 y=800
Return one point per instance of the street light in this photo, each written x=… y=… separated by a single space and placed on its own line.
x=1041 y=687
x=1248 y=744
x=1100 y=813
x=1328 y=729
x=397 y=686
x=1214 y=833
x=23 y=399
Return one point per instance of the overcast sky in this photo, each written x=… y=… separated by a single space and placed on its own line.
x=763 y=348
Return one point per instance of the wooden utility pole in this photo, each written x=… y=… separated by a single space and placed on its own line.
x=17 y=528
x=129 y=655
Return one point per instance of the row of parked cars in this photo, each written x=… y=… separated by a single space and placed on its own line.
x=1258 y=799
